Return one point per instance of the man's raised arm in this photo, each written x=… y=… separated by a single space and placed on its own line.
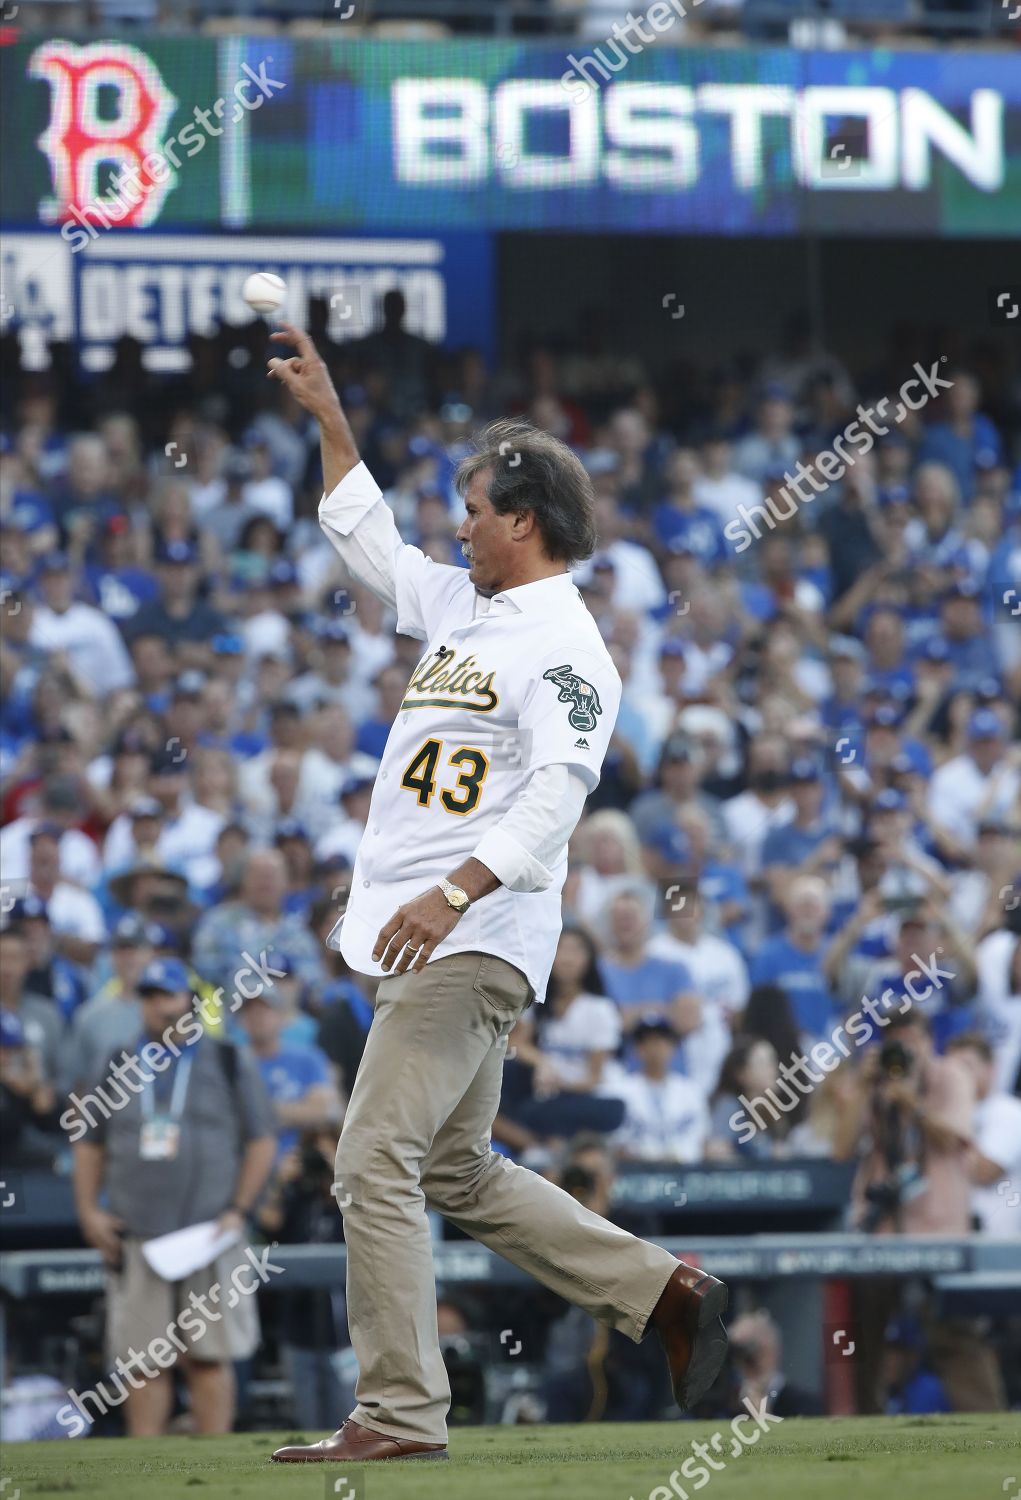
x=352 y=513
x=308 y=380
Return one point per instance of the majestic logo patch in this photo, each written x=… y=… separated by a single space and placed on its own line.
x=582 y=744
x=576 y=691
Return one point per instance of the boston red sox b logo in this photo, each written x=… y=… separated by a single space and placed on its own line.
x=583 y=697
x=78 y=140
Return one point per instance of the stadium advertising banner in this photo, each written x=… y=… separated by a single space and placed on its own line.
x=270 y=134
x=161 y=289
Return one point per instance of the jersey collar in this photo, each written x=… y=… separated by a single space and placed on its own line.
x=526 y=598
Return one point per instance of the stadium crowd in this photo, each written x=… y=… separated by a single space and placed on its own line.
x=814 y=783
x=793 y=908
x=829 y=23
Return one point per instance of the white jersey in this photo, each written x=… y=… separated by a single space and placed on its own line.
x=505 y=686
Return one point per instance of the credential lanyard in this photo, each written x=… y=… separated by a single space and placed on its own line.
x=177 y=1093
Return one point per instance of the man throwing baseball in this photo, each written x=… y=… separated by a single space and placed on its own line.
x=455 y=903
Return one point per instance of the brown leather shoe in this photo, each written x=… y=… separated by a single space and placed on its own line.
x=688 y=1319
x=357 y=1444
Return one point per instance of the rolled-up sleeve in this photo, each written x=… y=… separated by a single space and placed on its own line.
x=528 y=842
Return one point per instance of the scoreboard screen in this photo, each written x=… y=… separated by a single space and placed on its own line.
x=271 y=134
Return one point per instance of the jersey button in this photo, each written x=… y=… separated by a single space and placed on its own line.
x=383 y=775
x=366 y=883
x=375 y=827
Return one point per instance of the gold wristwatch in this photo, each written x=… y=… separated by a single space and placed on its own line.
x=454 y=896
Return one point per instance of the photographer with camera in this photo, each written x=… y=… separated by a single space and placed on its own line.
x=912 y=1123
x=756 y=1351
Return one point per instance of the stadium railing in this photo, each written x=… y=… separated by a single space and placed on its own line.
x=709 y=1197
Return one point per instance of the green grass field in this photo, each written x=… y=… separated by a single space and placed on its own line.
x=909 y=1458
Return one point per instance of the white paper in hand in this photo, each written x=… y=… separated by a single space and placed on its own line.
x=176 y=1255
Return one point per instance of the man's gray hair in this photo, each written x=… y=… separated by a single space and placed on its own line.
x=534 y=471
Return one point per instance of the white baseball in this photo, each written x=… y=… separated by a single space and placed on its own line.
x=264 y=292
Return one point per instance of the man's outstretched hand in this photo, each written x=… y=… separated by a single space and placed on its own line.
x=308 y=380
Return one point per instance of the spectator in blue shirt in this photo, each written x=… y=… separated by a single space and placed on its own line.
x=115 y=583
x=965 y=439
x=927 y=937
x=794 y=958
x=842 y=709
x=809 y=843
x=390 y=683
x=964 y=631
x=298 y=1079
x=640 y=984
x=750 y=1068
x=86 y=494
x=888 y=664
x=32 y=515
x=679 y=522
x=910 y=1387
x=292 y=839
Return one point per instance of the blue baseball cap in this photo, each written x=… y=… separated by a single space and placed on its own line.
x=282 y=573
x=46 y=828
x=54 y=562
x=146 y=807
x=228 y=645
x=289 y=828
x=29 y=908
x=804 y=770
x=178 y=551
x=162 y=936
x=12 y=1033
x=962 y=588
x=131 y=932
x=281 y=961
x=984 y=724
x=912 y=759
x=935 y=650
x=671 y=843
x=889 y=800
x=422 y=447
x=905 y=1333
x=189 y=684
x=652 y=1024
x=167 y=976
x=894 y=494
x=886 y=716
x=355 y=785
x=847 y=646
x=334 y=630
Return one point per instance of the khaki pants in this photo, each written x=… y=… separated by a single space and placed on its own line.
x=210 y=1316
x=417 y=1132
